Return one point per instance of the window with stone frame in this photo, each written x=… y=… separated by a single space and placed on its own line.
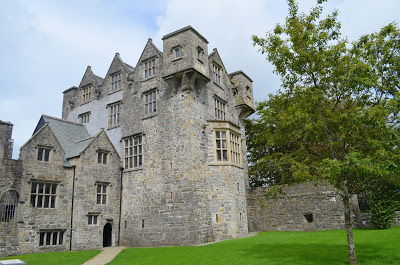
x=43 y=194
x=8 y=206
x=116 y=81
x=220 y=109
x=133 y=152
x=176 y=52
x=102 y=156
x=101 y=193
x=150 y=102
x=43 y=153
x=86 y=94
x=84 y=117
x=92 y=219
x=150 y=68
x=51 y=238
x=227 y=147
x=217 y=73
x=200 y=54
x=114 y=114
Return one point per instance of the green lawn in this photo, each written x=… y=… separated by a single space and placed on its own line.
x=320 y=247
x=59 y=258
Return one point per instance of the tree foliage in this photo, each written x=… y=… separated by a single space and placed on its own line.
x=336 y=117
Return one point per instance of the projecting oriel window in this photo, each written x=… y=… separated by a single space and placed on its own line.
x=227 y=147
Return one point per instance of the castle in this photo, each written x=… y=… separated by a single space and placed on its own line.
x=151 y=155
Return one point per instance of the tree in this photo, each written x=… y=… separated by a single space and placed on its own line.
x=336 y=117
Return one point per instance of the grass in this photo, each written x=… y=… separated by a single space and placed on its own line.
x=59 y=258
x=319 y=247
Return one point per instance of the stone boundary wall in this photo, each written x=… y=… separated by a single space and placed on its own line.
x=363 y=220
x=305 y=207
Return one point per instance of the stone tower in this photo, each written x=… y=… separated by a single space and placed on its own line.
x=187 y=181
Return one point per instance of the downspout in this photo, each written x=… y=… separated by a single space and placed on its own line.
x=72 y=209
x=120 y=207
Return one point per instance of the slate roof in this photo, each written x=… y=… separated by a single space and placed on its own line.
x=73 y=137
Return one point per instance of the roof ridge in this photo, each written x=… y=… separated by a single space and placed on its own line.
x=58 y=119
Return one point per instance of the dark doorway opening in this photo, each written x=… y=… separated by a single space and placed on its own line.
x=107 y=235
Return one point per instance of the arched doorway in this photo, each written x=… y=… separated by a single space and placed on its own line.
x=107 y=235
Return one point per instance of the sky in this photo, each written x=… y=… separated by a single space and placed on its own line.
x=45 y=46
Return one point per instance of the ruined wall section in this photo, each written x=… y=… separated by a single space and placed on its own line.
x=305 y=207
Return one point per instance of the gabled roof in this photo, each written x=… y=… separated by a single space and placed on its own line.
x=147 y=46
x=215 y=53
x=117 y=64
x=89 y=77
x=73 y=137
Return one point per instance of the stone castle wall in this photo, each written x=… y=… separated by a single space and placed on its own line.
x=288 y=212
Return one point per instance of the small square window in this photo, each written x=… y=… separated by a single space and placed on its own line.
x=92 y=219
x=176 y=52
x=102 y=157
x=43 y=154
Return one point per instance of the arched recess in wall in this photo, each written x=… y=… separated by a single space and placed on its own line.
x=8 y=206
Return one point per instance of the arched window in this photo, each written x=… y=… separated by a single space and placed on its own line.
x=8 y=205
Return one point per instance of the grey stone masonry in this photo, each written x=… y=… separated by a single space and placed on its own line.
x=151 y=155
x=6 y=143
x=303 y=207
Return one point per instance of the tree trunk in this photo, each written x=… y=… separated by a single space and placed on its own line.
x=347 y=218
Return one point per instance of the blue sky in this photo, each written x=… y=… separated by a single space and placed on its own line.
x=45 y=46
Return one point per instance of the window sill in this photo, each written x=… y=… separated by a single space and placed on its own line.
x=113 y=127
x=85 y=103
x=114 y=91
x=200 y=60
x=149 y=78
x=218 y=85
x=133 y=169
x=224 y=164
x=148 y=116
x=177 y=59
